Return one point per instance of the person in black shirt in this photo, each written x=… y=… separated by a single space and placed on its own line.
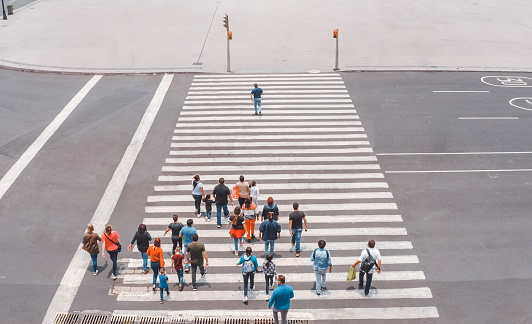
x=295 y=227
x=220 y=194
x=176 y=228
x=143 y=239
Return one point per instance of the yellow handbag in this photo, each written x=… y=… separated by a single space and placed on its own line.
x=352 y=274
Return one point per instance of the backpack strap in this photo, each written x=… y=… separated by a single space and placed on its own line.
x=369 y=255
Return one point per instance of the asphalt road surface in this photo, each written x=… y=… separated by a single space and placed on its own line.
x=454 y=153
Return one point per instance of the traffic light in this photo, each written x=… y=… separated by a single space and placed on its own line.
x=229 y=35
x=226 y=22
x=335 y=33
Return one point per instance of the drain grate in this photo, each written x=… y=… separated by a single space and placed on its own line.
x=264 y=321
x=298 y=321
x=236 y=321
x=67 y=318
x=123 y=319
x=95 y=319
x=152 y=320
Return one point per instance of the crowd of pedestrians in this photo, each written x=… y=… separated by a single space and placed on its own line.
x=188 y=253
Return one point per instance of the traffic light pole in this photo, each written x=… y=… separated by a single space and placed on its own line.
x=4 y=10
x=228 y=56
x=336 y=62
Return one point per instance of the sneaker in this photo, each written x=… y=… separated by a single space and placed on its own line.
x=267 y=297
x=252 y=289
x=206 y=219
x=271 y=287
x=219 y=226
x=260 y=114
x=249 y=240
x=205 y=272
x=162 y=301
x=323 y=288
x=95 y=272
x=246 y=300
x=114 y=277
x=187 y=270
x=293 y=244
x=317 y=293
x=194 y=288
x=180 y=287
x=298 y=254
x=199 y=215
x=146 y=271
x=236 y=252
x=253 y=236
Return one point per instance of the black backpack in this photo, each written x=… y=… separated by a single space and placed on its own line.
x=368 y=264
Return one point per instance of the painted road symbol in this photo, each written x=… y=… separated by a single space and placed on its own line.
x=508 y=81
x=522 y=103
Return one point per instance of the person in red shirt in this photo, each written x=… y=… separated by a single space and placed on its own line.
x=156 y=258
x=111 y=244
x=177 y=263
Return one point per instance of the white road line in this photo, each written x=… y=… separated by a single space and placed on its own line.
x=402 y=293
x=275 y=159
x=266 y=102
x=247 y=93
x=270 y=137
x=280 y=197
x=279 y=113
x=283 y=177
x=141 y=279
x=488 y=118
x=454 y=153
x=312 y=219
x=246 y=88
x=249 y=107
x=304 y=96
x=310 y=151
x=308 y=207
x=14 y=172
x=461 y=91
x=245 y=145
x=265 y=187
x=290 y=130
x=253 y=76
x=252 y=168
x=296 y=262
x=461 y=171
x=64 y=296
x=295 y=84
x=251 y=116
x=269 y=79
x=292 y=124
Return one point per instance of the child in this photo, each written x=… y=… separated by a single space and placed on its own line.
x=269 y=270
x=177 y=263
x=208 y=207
x=163 y=284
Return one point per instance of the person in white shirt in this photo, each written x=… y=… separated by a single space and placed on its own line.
x=363 y=256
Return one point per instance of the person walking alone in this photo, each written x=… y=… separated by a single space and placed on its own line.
x=243 y=190
x=197 y=193
x=270 y=231
x=196 y=254
x=372 y=252
x=220 y=194
x=256 y=97
x=280 y=300
x=176 y=227
x=143 y=238
x=295 y=227
x=270 y=270
x=249 y=266
x=237 y=230
x=250 y=216
x=111 y=244
x=90 y=244
x=186 y=235
x=254 y=193
x=322 y=261
x=157 y=259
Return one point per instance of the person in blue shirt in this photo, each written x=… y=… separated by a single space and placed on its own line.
x=186 y=235
x=249 y=266
x=269 y=230
x=281 y=300
x=163 y=284
x=322 y=261
x=256 y=97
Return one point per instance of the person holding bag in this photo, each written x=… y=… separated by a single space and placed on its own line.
x=111 y=244
x=370 y=259
x=250 y=217
x=90 y=244
x=249 y=266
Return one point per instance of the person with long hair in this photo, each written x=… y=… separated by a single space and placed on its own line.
x=111 y=244
x=237 y=230
x=90 y=244
x=197 y=193
x=143 y=239
x=249 y=266
x=176 y=228
x=270 y=206
x=157 y=259
x=270 y=270
x=250 y=217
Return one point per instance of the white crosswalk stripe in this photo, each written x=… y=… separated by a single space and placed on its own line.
x=308 y=146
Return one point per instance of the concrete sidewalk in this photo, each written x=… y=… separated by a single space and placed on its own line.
x=140 y=36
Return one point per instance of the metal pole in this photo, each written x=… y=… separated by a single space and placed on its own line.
x=336 y=62
x=4 y=10
x=228 y=56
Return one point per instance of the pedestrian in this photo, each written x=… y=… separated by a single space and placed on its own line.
x=90 y=244
x=196 y=254
x=249 y=266
x=269 y=230
x=270 y=206
x=295 y=226
x=143 y=239
x=186 y=235
x=197 y=193
x=176 y=226
x=243 y=190
x=177 y=263
x=281 y=300
x=322 y=261
x=270 y=270
x=256 y=95
x=111 y=244
x=368 y=254
x=220 y=194
x=250 y=217
x=208 y=207
x=237 y=230
x=163 y=284
x=254 y=193
x=157 y=259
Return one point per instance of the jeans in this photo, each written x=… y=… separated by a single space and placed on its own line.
x=175 y=241
x=296 y=238
x=197 y=203
x=114 y=257
x=368 y=281
x=269 y=282
x=144 y=260
x=250 y=227
x=208 y=214
x=179 y=273
x=251 y=277
x=94 y=258
x=236 y=243
x=283 y=315
x=271 y=244
x=167 y=292
x=155 y=266
x=194 y=269
x=257 y=102
x=187 y=266
x=321 y=279
x=219 y=214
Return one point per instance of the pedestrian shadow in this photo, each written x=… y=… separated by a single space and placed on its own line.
x=372 y=290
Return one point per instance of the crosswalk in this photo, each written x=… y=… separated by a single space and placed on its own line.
x=308 y=146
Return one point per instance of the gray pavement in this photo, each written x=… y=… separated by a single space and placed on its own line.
x=268 y=36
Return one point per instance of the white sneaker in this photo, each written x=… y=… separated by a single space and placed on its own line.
x=245 y=299
x=95 y=272
x=114 y=277
x=271 y=288
x=206 y=219
x=252 y=289
x=267 y=297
